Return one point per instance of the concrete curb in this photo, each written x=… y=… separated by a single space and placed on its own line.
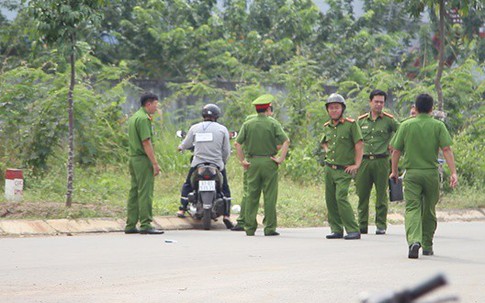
x=103 y=225
x=460 y=215
x=95 y=225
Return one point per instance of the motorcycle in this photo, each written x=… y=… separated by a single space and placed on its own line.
x=207 y=198
x=207 y=201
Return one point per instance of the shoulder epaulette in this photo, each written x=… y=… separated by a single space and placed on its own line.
x=363 y=116
x=326 y=123
x=350 y=120
x=388 y=114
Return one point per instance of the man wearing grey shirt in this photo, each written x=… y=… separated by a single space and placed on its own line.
x=210 y=141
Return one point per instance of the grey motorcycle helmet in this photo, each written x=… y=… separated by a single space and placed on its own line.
x=211 y=111
x=335 y=98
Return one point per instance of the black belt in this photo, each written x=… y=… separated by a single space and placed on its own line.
x=372 y=157
x=335 y=166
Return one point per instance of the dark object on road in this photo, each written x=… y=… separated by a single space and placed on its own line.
x=411 y=294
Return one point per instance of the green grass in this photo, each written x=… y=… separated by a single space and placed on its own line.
x=102 y=191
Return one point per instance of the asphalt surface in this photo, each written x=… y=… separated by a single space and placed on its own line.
x=224 y=266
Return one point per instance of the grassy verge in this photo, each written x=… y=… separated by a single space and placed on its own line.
x=102 y=192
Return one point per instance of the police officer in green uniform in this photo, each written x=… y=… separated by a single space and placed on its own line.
x=240 y=219
x=342 y=142
x=261 y=135
x=420 y=139
x=143 y=167
x=377 y=129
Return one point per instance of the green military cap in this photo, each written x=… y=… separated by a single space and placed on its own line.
x=264 y=99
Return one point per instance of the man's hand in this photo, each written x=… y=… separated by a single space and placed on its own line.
x=453 y=180
x=277 y=160
x=245 y=164
x=450 y=160
x=156 y=169
x=394 y=176
x=352 y=169
x=284 y=151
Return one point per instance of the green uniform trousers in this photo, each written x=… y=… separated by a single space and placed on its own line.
x=421 y=193
x=262 y=176
x=240 y=219
x=371 y=172
x=340 y=213
x=141 y=193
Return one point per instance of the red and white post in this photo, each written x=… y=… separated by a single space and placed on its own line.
x=14 y=185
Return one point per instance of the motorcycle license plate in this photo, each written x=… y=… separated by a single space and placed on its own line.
x=207 y=185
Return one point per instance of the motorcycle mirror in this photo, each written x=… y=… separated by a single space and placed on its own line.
x=180 y=133
x=232 y=135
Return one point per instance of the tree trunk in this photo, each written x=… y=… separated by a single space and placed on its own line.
x=70 y=157
x=441 y=55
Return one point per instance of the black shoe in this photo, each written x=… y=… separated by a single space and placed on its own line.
x=428 y=252
x=380 y=231
x=237 y=228
x=363 y=230
x=273 y=233
x=132 y=231
x=352 y=236
x=228 y=223
x=414 y=250
x=151 y=231
x=334 y=236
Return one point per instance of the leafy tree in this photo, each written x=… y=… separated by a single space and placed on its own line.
x=304 y=86
x=31 y=121
x=63 y=24
x=235 y=18
x=416 y=7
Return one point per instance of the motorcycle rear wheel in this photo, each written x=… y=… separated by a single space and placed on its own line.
x=206 y=219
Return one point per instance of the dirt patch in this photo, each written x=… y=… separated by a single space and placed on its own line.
x=55 y=210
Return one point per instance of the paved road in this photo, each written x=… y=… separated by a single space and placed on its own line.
x=224 y=266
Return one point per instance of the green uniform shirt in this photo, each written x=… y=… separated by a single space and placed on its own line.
x=249 y=118
x=420 y=139
x=394 y=137
x=139 y=129
x=341 y=140
x=245 y=150
x=377 y=133
x=261 y=135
